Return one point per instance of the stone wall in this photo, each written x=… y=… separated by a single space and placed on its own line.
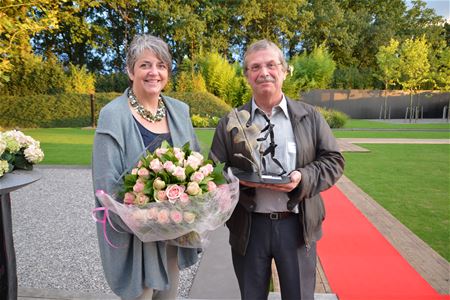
x=367 y=104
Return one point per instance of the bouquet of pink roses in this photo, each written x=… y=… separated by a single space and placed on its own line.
x=174 y=194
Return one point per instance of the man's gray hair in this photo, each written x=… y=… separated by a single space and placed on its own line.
x=263 y=45
x=143 y=42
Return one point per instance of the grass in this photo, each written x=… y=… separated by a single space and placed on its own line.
x=64 y=146
x=372 y=124
x=412 y=182
x=393 y=134
x=368 y=129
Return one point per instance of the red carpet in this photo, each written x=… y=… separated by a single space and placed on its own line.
x=360 y=263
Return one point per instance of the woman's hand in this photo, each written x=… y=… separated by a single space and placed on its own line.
x=295 y=176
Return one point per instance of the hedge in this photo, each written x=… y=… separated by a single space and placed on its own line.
x=74 y=110
x=62 y=110
x=202 y=103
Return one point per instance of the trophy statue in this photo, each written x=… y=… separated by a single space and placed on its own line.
x=250 y=133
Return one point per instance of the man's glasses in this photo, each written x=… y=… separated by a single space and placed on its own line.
x=258 y=67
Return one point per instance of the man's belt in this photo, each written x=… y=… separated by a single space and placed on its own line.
x=275 y=215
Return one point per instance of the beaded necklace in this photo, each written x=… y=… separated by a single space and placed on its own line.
x=144 y=113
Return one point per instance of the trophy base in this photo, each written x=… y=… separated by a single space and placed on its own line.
x=264 y=178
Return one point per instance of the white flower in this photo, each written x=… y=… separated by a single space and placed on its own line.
x=4 y=167
x=23 y=140
x=2 y=145
x=12 y=145
x=33 y=154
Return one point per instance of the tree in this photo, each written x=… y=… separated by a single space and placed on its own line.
x=441 y=72
x=311 y=71
x=389 y=68
x=414 y=66
x=275 y=20
x=221 y=78
x=19 y=20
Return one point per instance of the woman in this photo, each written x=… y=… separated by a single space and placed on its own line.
x=140 y=118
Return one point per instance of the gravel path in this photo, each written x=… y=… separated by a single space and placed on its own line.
x=54 y=235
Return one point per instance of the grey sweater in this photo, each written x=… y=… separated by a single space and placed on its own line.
x=118 y=146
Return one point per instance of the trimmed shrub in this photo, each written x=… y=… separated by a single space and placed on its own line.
x=334 y=118
x=199 y=121
x=63 y=110
x=74 y=110
x=205 y=122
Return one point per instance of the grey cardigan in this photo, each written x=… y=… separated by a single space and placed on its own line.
x=118 y=146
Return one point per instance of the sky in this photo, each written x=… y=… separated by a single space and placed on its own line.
x=442 y=7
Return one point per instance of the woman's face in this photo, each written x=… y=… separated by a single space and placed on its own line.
x=149 y=75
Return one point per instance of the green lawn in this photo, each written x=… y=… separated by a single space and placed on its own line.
x=392 y=134
x=410 y=181
x=354 y=123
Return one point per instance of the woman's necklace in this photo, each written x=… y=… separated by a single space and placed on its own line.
x=160 y=112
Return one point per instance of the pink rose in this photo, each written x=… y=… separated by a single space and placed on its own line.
x=156 y=165
x=139 y=164
x=160 y=196
x=128 y=198
x=169 y=166
x=163 y=216
x=211 y=186
x=138 y=186
x=206 y=169
x=160 y=151
x=193 y=188
x=142 y=199
x=144 y=172
x=134 y=171
x=158 y=184
x=179 y=173
x=184 y=199
x=173 y=192
x=179 y=154
x=189 y=217
x=197 y=176
x=152 y=213
x=193 y=161
x=176 y=216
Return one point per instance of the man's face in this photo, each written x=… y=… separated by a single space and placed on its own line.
x=265 y=73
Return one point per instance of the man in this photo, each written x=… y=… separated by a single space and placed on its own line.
x=279 y=221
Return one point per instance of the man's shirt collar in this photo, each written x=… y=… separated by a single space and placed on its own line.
x=282 y=105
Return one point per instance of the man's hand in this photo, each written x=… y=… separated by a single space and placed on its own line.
x=295 y=176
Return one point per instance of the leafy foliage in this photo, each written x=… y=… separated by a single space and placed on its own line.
x=35 y=75
x=114 y=82
x=62 y=110
x=350 y=77
x=310 y=71
x=80 y=81
x=334 y=118
x=220 y=77
x=95 y=34
x=202 y=103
